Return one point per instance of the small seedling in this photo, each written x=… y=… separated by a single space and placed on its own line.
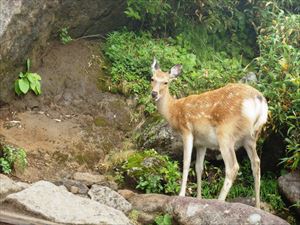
x=28 y=81
x=64 y=36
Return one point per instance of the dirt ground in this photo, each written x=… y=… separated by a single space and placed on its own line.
x=74 y=124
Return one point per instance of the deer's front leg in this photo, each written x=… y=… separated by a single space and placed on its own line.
x=187 y=154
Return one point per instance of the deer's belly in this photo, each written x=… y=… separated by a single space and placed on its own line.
x=206 y=137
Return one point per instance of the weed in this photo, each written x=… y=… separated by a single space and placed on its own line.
x=64 y=36
x=165 y=219
x=11 y=157
x=152 y=172
x=28 y=81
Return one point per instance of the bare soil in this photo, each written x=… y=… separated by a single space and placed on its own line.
x=74 y=124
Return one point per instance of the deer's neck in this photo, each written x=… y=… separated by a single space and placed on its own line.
x=164 y=104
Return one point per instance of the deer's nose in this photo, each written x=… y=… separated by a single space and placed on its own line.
x=154 y=94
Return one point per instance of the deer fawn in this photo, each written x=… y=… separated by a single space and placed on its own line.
x=224 y=119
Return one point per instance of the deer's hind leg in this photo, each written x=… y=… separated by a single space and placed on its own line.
x=250 y=146
x=199 y=168
x=231 y=166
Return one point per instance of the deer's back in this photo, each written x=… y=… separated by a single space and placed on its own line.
x=228 y=108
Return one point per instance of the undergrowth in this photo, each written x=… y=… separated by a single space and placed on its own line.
x=155 y=173
x=11 y=158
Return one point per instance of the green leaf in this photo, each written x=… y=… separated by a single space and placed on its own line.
x=37 y=89
x=33 y=77
x=23 y=85
x=17 y=89
x=33 y=85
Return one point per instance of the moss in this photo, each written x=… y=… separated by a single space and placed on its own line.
x=100 y=122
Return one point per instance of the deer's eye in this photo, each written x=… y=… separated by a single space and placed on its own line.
x=152 y=79
x=166 y=83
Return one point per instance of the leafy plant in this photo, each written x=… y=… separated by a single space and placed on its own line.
x=165 y=219
x=64 y=36
x=279 y=69
x=28 y=81
x=152 y=172
x=11 y=157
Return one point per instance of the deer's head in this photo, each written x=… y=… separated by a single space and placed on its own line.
x=160 y=80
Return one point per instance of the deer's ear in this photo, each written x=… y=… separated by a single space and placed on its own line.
x=175 y=71
x=154 y=65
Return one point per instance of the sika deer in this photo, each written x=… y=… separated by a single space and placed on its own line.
x=224 y=119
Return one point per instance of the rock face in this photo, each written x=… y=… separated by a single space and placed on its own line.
x=192 y=211
x=8 y=186
x=58 y=205
x=156 y=133
x=26 y=27
x=289 y=186
x=109 y=197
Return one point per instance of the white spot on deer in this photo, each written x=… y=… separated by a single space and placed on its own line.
x=256 y=111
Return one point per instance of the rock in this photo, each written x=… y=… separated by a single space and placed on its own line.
x=23 y=185
x=49 y=201
x=126 y=193
x=289 y=186
x=251 y=202
x=109 y=197
x=193 y=211
x=8 y=186
x=44 y=19
x=249 y=78
x=76 y=187
x=88 y=178
x=156 y=133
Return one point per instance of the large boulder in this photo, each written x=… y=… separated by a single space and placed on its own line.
x=156 y=133
x=190 y=211
x=109 y=197
x=8 y=186
x=57 y=204
x=289 y=186
x=27 y=26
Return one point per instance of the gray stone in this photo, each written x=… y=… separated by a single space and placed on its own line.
x=109 y=197
x=71 y=185
x=53 y=203
x=8 y=186
x=88 y=178
x=289 y=186
x=156 y=133
x=249 y=78
x=193 y=211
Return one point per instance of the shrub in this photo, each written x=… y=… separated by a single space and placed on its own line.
x=131 y=56
x=152 y=172
x=64 y=36
x=279 y=68
x=11 y=157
